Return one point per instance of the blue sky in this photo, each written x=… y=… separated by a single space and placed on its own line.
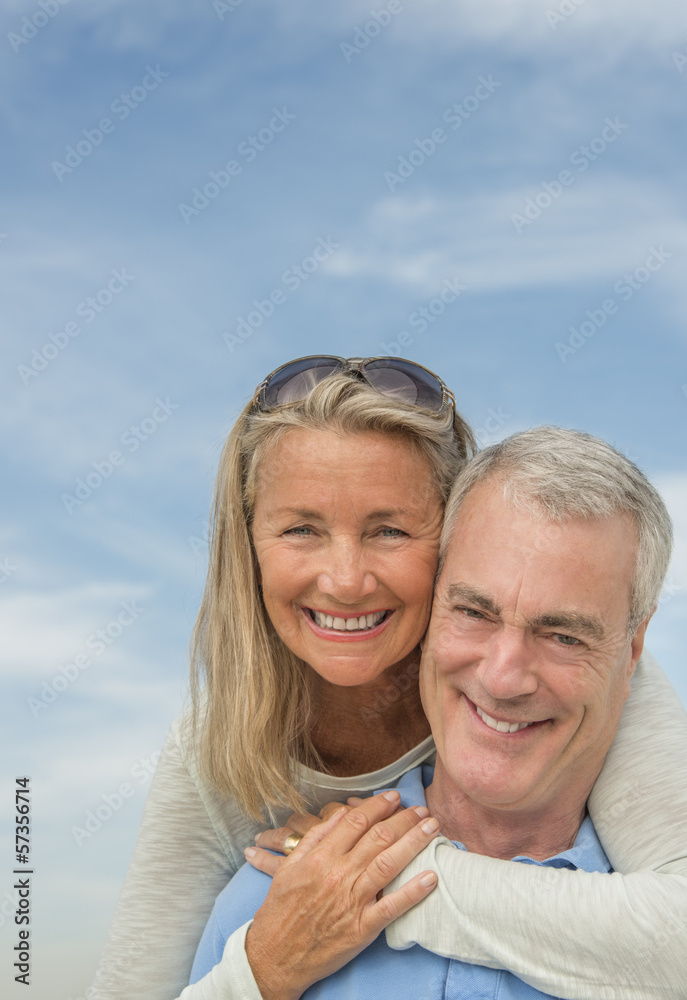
x=543 y=148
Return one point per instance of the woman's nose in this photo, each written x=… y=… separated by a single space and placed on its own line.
x=346 y=577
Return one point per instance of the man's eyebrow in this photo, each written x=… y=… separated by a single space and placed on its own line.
x=571 y=621
x=464 y=592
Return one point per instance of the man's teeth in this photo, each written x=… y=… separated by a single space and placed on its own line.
x=501 y=727
x=356 y=624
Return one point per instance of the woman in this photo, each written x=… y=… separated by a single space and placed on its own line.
x=329 y=499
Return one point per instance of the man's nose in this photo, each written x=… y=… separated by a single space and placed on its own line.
x=507 y=669
x=346 y=576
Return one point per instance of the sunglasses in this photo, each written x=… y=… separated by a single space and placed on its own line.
x=395 y=377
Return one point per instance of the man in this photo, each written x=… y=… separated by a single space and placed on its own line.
x=553 y=555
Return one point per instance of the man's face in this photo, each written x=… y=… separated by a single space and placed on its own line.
x=527 y=661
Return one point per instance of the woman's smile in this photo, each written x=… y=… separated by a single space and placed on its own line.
x=338 y=627
x=346 y=532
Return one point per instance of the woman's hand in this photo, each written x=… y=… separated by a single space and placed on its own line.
x=323 y=907
x=298 y=823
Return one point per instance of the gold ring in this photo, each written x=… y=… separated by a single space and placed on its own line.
x=292 y=842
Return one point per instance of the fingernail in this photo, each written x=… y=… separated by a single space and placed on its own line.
x=429 y=879
x=422 y=811
x=249 y=852
x=257 y=838
x=391 y=796
x=431 y=826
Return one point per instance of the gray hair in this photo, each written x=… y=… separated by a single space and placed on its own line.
x=563 y=474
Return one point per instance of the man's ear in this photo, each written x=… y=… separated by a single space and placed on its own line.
x=638 y=639
x=637 y=645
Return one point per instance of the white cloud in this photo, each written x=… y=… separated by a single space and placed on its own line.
x=42 y=630
x=473 y=238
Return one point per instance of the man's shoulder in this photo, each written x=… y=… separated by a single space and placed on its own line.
x=240 y=898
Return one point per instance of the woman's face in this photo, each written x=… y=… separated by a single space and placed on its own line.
x=346 y=531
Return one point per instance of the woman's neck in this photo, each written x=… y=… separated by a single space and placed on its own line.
x=360 y=729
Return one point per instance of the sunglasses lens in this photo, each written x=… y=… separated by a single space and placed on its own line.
x=296 y=381
x=407 y=382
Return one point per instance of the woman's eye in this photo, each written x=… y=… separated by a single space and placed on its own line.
x=392 y=533
x=302 y=531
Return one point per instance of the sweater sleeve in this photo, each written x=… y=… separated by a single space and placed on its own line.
x=179 y=866
x=232 y=977
x=579 y=935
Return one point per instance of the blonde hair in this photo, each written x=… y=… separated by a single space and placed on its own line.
x=251 y=694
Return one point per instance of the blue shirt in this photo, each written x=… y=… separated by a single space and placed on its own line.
x=380 y=971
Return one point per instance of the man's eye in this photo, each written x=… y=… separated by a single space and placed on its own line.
x=567 y=640
x=471 y=613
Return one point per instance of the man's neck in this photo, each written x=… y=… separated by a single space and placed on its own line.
x=503 y=833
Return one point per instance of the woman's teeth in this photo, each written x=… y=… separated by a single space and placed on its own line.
x=501 y=727
x=356 y=624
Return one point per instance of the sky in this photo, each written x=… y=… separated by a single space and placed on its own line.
x=195 y=193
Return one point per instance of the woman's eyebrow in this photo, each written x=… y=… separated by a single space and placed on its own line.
x=310 y=515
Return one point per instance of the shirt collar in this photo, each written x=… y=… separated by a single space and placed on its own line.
x=586 y=853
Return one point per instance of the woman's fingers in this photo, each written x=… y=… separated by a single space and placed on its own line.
x=403 y=845
x=274 y=840
x=331 y=808
x=299 y=823
x=394 y=904
x=355 y=823
x=263 y=860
